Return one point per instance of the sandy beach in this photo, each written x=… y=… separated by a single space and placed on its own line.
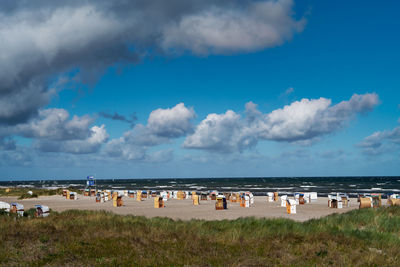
x=184 y=209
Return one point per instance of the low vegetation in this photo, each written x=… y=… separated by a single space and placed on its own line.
x=22 y=193
x=26 y=195
x=360 y=237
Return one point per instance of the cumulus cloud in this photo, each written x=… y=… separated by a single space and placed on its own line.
x=54 y=131
x=44 y=38
x=172 y=122
x=98 y=136
x=162 y=126
x=221 y=132
x=54 y=124
x=307 y=119
x=381 y=142
x=302 y=121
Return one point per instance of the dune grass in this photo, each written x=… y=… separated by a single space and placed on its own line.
x=22 y=193
x=360 y=237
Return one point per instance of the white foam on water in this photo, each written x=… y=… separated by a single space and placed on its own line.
x=283 y=188
x=394 y=190
x=369 y=190
x=257 y=188
x=51 y=187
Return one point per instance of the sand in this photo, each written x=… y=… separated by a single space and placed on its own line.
x=184 y=209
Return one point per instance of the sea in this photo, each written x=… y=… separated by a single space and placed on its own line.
x=258 y=186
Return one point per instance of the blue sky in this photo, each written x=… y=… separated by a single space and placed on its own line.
x=196 y=85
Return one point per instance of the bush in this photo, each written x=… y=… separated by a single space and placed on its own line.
x=3 y=212
x=30 y=213
x=26 y=195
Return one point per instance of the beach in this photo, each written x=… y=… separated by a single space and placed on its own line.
x=185 y=210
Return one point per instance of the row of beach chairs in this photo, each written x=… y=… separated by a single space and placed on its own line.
x=17 y=208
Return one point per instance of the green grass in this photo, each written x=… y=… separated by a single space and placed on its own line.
x=26 y=195
x=22 y=193
x=360 y=237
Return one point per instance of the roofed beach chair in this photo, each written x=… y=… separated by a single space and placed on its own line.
x=17 y=208
x=313 y=197
x=291 y=206
x=131 y=193
x=270 y=197
x=42 y=211
x=393 y=200
x=366 y=202
x=5 y=206
x=221 y=203
x=283 y=200
x=196 y=200
x=158 y=202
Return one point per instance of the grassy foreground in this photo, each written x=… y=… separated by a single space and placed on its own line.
x=359 y=237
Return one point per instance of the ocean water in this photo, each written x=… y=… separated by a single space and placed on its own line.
x=258 y=186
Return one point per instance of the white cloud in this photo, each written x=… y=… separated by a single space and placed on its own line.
x=54 y=124
x=294 y=122
x=98 y=136
x=300 y=122
x=162 y=126
x=307 y=119
x=221 y=30
x=219 y=132
x=54 y=131
x=172 y=122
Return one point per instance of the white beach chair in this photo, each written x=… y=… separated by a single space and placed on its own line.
x=251 y=198
x=5 y=206
x=283 y=200
x=270 y=197
x=247 y=201
x=313 y=196
x=291 y=206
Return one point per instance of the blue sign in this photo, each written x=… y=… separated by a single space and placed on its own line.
x=90 y=180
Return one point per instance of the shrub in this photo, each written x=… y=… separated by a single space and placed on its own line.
x=26 y=195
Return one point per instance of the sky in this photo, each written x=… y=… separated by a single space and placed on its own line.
x=185 y=88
